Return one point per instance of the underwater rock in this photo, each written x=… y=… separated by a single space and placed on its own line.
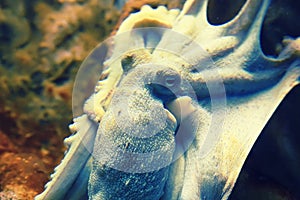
x=5 y=144
x=14 y=26
x=21 y=174
x=36 y=85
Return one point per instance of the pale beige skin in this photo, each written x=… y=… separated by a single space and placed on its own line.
x=255 y=85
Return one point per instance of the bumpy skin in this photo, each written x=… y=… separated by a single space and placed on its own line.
x=218 y=128
x=135 y=141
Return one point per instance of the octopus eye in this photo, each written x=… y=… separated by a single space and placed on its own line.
x=168 y=78
x=170 y=81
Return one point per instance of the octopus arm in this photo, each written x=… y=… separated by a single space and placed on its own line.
x=73 y=171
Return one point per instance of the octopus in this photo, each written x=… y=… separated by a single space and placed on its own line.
x=177 y=106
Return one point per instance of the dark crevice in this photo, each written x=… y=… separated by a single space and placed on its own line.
x=7 y=123
x=282 y=19
x=6 y=34
x=222 y=11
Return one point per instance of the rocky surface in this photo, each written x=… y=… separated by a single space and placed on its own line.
x=24 y=169
x=42 y=44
